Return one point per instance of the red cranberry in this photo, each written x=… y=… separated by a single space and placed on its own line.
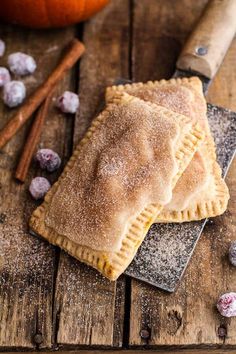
x=39 y=186
x=21 y=64
x=4 y=76
x=48 y=159
x=14 y=93
x=226 y=305
x=2 y=47
x=68 y=102
x=232 y=253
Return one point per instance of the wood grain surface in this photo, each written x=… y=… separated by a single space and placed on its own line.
x=27 y=264
x=89 y=308
x=187 y=317
x=141 y=351
x=218 y=18
x=47 y=298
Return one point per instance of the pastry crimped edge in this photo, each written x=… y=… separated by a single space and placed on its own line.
x=111 y=90
x=201 y=210
x=205 y=209
x=112 y=264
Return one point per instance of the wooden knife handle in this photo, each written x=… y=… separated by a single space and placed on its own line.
x=206 y=47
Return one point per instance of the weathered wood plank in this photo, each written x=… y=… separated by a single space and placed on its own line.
x=159 y=29
x=187 y=317
x=141 y=351
x=89 y=308
x=222 y=91
x=27 y=263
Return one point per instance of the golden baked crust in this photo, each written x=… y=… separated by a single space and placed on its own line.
x=111 y=263
x=200 y=192
x=209 y=202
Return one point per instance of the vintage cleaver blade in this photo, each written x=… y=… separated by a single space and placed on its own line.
x=165 y=252
x=167 y=248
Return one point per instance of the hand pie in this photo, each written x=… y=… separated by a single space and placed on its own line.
x=200 y=192
x=116 y=183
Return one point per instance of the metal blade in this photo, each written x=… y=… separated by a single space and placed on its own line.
x=205 y=81
x=164 y=254
x=122 y=81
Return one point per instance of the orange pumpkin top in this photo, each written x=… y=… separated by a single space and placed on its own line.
x=48 y=13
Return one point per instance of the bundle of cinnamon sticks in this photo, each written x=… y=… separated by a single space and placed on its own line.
x=41 y=96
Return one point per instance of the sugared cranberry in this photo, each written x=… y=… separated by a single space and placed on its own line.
x=14 y=93
x=68 y=102
x=232 y=253
x=48 y=159
x=39 y=186
x=226 y=305
x=2 y=47
x=4 y=76
x=21 y=64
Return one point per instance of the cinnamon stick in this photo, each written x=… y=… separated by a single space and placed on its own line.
x=32 y=141
x=73 y=54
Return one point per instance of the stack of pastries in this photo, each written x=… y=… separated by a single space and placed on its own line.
x=148 y=157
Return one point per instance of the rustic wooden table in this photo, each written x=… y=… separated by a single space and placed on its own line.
x=48 y=299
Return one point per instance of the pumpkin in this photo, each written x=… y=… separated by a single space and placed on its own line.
x=48 y=13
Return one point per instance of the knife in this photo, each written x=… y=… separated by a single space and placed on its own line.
x=164 y=254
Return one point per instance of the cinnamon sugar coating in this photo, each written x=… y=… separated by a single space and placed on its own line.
x=195 y=174
x=128 y=164
x=202 y=178
x=133 y=153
